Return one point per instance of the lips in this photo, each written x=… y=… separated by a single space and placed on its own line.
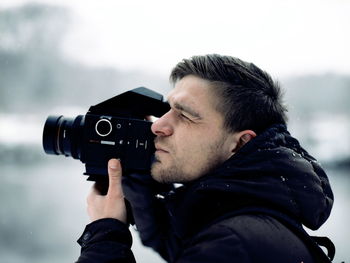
x=160 y=149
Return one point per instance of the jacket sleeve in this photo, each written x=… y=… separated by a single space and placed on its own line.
x=106 y=240
x=149 y=213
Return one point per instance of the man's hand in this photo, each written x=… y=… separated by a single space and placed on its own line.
x=111 y=205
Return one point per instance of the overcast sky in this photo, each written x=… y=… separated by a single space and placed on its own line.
x=282 y=37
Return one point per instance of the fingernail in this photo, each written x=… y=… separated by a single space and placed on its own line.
x=113 y=165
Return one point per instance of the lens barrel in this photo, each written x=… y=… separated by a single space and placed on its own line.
x=62 y=136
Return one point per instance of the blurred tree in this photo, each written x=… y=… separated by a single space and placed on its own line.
x=36 y=76
x=30 y=51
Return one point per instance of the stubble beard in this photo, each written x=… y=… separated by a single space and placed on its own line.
x=175 y=173
x=171 y=174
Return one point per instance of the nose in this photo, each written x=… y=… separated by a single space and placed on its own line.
x=162 y=126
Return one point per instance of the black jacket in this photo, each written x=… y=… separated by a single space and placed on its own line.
x=202 y=221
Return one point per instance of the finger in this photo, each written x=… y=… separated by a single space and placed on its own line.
x=114 y=175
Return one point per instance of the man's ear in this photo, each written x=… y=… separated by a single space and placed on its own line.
x=243 y=137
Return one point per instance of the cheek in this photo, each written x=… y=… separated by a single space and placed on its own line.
x=193 y=148
x=192 y=152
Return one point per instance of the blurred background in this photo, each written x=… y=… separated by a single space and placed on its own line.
x=61 y=57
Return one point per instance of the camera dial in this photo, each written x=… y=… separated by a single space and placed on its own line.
x=103 y=127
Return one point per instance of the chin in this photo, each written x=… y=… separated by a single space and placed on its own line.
x=157 y=177
x=160 y=174
x=155 y=170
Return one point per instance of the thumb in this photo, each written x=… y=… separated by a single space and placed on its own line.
x=115 y=174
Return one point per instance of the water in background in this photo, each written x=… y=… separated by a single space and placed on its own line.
x=43 y=210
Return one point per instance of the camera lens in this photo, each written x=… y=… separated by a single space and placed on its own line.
x=62 y=135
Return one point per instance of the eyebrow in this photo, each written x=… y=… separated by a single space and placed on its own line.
x=187 y=110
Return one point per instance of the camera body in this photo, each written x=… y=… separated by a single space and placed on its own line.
x=115 y=128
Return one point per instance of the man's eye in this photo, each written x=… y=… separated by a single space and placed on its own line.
x=185 y=117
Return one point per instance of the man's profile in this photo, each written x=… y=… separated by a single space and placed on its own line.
x=247 y=189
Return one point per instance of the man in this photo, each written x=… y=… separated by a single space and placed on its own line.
x=248 y=185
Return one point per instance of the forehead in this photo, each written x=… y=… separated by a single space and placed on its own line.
x=193 y=92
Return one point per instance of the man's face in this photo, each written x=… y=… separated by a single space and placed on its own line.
x=190 y=138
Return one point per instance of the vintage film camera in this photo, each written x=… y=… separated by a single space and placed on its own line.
x=115 y=128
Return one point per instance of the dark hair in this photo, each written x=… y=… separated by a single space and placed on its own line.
x=248 y=97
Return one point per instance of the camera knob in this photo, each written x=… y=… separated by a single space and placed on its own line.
x=103 y=127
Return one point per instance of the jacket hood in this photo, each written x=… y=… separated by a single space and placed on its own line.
x=272 y=170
